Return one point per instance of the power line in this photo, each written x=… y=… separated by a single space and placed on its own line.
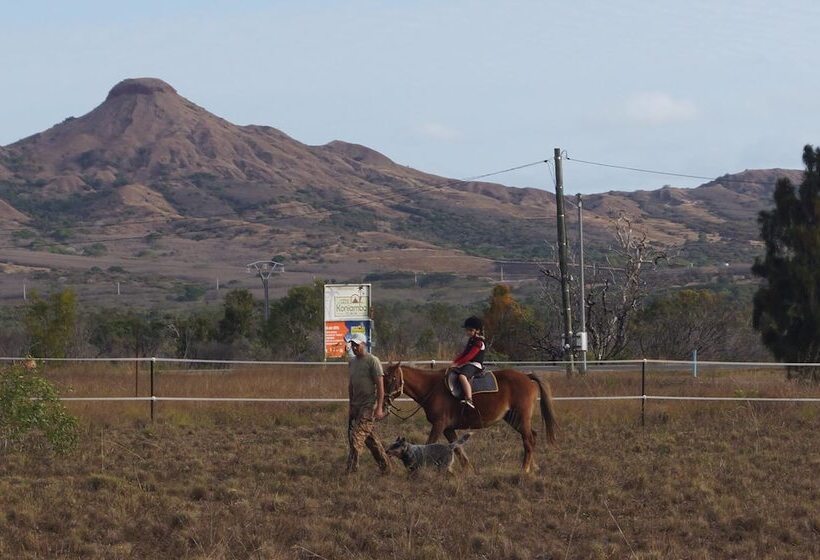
x=669 y=173
x=614 y=166
x=507 y=170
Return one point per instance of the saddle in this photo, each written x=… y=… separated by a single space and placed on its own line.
x=484 y=383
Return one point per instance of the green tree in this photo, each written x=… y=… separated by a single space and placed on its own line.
x=294 y=329
x=397 y=336
x=672 y=327
x=444 y=321
x=787 y=304
x=50 y=323
x=30 y=407
x=238 y=321
x=192 y=335
x=126 y=332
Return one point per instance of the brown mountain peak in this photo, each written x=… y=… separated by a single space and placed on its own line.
x=140 y=86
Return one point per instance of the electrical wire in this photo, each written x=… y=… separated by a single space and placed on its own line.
x=508 y=170
x=669 y=173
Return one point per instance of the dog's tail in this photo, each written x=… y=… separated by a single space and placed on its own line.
x=461 y=441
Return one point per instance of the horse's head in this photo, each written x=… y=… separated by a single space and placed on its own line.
x=393 y=382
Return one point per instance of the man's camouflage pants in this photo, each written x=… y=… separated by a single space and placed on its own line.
x=360 y=433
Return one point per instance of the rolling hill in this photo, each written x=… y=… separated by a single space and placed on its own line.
x=150 y=183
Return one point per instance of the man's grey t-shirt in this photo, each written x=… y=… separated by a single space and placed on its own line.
x=364 y=373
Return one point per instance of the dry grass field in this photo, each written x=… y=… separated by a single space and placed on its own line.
x=265 y=480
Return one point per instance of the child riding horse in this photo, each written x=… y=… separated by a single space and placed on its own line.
x=513 y=402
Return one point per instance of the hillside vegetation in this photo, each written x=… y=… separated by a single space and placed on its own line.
x=149 y=181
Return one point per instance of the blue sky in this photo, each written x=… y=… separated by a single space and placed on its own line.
x=456 y=88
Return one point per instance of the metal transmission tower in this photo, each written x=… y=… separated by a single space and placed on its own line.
x=266 y=269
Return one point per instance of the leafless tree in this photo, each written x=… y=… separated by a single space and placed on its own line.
x=613 y=291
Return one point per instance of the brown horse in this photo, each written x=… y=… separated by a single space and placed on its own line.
x=513 y=402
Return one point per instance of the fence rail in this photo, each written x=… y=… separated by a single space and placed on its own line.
x=671 y=372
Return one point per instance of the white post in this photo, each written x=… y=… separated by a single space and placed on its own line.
x=695 y=362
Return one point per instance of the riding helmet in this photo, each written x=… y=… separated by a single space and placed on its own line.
x=473 y=322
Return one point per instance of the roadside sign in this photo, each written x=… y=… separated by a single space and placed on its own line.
x=347 y=311
x=347 y=301
x=336 y=333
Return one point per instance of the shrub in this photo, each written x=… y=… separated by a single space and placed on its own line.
x=95 y=250
x=30 y=407
x=190 y=292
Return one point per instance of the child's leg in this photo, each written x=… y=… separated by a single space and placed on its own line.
x=465 y=385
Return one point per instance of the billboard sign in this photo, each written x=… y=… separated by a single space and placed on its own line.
x=347 y=301
x=347 y=311
x=337 y=332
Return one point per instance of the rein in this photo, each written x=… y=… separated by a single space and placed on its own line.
x=391 y=408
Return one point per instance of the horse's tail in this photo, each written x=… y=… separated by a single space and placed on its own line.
x=547 y=408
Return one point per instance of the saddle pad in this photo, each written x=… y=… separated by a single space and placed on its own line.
x=486 y=383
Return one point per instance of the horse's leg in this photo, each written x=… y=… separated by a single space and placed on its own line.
x=521 y=421
x=435 y=432
x=451 y=436
x=528 y=439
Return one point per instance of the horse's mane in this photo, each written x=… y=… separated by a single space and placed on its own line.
x=425 y=371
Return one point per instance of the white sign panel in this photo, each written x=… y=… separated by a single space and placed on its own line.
x=344 y=302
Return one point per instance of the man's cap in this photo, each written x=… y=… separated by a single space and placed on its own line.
x=358 y=338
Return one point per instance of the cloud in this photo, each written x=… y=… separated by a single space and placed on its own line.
x=656 y=108
x=438 y=131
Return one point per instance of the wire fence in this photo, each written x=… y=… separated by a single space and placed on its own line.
x=153 y=380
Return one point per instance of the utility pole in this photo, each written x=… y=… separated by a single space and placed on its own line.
x=266 y=269
x=582 y=333
x=562 y=261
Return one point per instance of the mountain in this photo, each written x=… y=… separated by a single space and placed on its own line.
x=716 y=221
x=150 y=179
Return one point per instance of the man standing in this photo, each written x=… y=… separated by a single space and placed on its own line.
x=366 y=393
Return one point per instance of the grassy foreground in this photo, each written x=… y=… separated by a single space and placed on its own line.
x=700 y=480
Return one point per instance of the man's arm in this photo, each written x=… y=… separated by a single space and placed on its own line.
x=380 y=413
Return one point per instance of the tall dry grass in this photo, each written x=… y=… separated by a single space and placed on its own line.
x=265 y=480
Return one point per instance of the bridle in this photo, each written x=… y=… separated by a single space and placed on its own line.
x=396 y=393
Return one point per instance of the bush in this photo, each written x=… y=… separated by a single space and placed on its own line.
x=30 y=407
x=95 y=250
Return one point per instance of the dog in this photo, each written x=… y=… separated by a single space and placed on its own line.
x=438 y=455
